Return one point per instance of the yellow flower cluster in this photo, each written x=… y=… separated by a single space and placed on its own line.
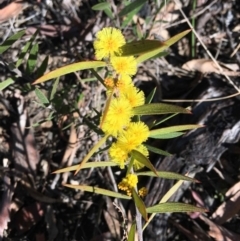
x=124 y=96
x=143 y=192
x=128 y=183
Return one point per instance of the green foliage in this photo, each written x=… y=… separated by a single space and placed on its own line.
x=173 y=207
x=10 y=41
x=141 y=50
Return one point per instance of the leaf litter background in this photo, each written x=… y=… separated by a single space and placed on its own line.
x=35 y=205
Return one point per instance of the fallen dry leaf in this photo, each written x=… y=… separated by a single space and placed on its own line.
x=11 y=10
x=233 y=190
x=218 y=232
x=230 y=207
x=25 y=218
x=206 y=66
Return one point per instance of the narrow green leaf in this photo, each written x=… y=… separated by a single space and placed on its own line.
x=165 y=119
x=25 y=49
x=159 y=109
x=152 y=55
x=41 y=96
x=101 y=6
x=98 y=191
x=91 y=152
x=139 y=204
x=173 y=207
x=131 y=7
x=87 y=165
x=143 y=159
x=131 y=234
x=6 y=83
x=167 y=175
x=177 y=37
x=129 y=17
x=140 y=47
x=9 y=42
x=157 y=150
x=32 y=59
x=165 y=198
x=70 y=69
x=109 y=13
x=54 y=88
x=164 y=46
x=99 y=78
x=172 y=129
x=42 y=68
x=150 y=96
x=167 y=135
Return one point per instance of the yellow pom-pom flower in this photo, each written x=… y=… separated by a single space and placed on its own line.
x=124 y=83
x=118 y=155
x=128 y=183
x=124 y=65
x=109 y=82
x=133 y=136
x=108 y=42
x=135 y=96
x=118 y=116
x=143 y=192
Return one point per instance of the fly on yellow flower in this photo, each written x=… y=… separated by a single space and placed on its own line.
x=128 y=183
x=108 y=42
x=124 y=65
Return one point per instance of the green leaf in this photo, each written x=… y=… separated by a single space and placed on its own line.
x=129 y=17
x=101 y=6
x=41 y=96
x=98 y=191
x=131 y=7
x=70 y=69
x=173 y=207
x=105 y=6
x=165 y=45
x=109 y=13
x=159 y=109
x=25 y=49
x=32 y=59
x=143 y=159
x=140 y=47
x=139 y=204
x=165 y=198
x=42 y=68
x=131 y=234
x=9 y=42
x=163 y=132
x=167 y=135
x=87 y=165
x=167 y=175
x=157 y=150
x=150 y=96
x=54 y=88
x=6 y=83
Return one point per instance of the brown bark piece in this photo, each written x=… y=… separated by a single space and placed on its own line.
x=230 y=207
x=218 y=232
x=11 y=10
